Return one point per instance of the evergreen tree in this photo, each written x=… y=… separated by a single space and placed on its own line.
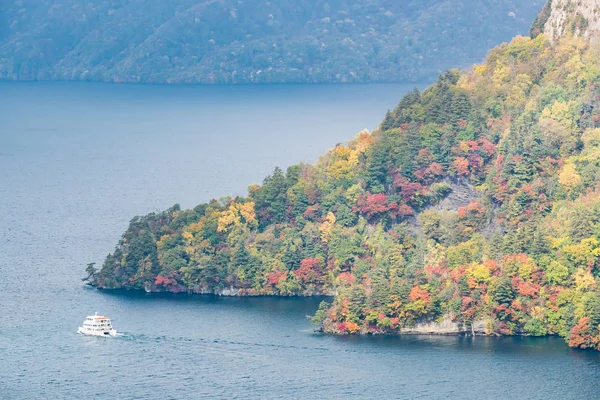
x=271 y=199
x=381 y=289
x=503 y=292
x=357 y=298
x=388 y=122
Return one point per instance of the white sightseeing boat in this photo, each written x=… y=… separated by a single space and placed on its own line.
x=97 y=325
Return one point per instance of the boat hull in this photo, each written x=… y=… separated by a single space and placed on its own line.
x=88 y=332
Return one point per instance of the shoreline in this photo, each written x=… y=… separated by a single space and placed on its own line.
x=446 y=327
x=227 y=292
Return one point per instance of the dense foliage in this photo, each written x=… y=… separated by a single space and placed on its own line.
x=230 y=41
x=477 y=201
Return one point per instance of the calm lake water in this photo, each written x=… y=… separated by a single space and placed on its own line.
x=77 y=161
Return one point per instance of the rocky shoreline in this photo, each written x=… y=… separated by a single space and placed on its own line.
x=225 y=292
x=445 y=327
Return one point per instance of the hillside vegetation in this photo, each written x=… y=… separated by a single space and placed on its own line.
x=229 y=41
x=477 y=201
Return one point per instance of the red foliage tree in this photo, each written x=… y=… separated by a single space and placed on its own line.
x=435 y=169
x=475 y=162
x=461 y=166
x=492 y=266
x=473 y=210
x=275 y=277
x=580 y=334
x=346 y=278
x=310 y=271
x=420 y=174
x=489 y=149
x=373 y=204
x=417 y=293
x=473 y=145
x=435 y=270
x=409 y=189
x=528 y=289
x=341 y=327
x=405 y=211
x=165 y=281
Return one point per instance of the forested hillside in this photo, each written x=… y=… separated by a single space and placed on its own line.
x=476 y=201
x=191 y=41
x=475 y=205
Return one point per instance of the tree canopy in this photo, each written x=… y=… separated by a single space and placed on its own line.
x=477 y=200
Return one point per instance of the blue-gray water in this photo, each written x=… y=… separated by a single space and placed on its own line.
x=77 y=161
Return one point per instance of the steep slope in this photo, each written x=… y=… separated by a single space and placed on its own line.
x=191 y=41
x=474 y=208
x=580 y=18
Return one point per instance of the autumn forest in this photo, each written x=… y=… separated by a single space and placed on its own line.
x=476 y=202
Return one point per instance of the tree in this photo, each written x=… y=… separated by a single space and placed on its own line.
x=270 y=199
x=556 y=273
x=581 y=334
x=503 y=292
x=310 y=271
x=461 y=166
x=388 y=122
x=91 y=271
x=356 y=302
x=321 y=314
x=373 y=205
x=569 y=177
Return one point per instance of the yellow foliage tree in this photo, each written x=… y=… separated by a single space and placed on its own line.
x=326 y=227
x=591 y=138
x=584 y=253
x=584 y=280
x=479 y=272
x=480 y=69
x=556 y=273
x=236 y=215
x=568 y=177
x=563 y=113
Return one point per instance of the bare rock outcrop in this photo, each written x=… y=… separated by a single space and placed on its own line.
x=461 y=195
x=445 y=327
x=578 y=17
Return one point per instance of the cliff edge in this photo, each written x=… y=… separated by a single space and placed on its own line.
x=560 y=17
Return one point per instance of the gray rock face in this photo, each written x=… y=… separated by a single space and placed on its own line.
x=461 y=195
x=445 y=327
x=580 y=18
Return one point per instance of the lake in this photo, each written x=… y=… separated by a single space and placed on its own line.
x=79 y=160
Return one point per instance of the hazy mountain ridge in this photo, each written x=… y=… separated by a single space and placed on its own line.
x=188 y=41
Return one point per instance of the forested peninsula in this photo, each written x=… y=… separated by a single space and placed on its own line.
x=252 y=41
x=475 y=207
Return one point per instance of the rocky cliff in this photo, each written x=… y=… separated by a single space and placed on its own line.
x=578 y=17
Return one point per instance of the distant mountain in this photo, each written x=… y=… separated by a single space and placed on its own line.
x=227 y=41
